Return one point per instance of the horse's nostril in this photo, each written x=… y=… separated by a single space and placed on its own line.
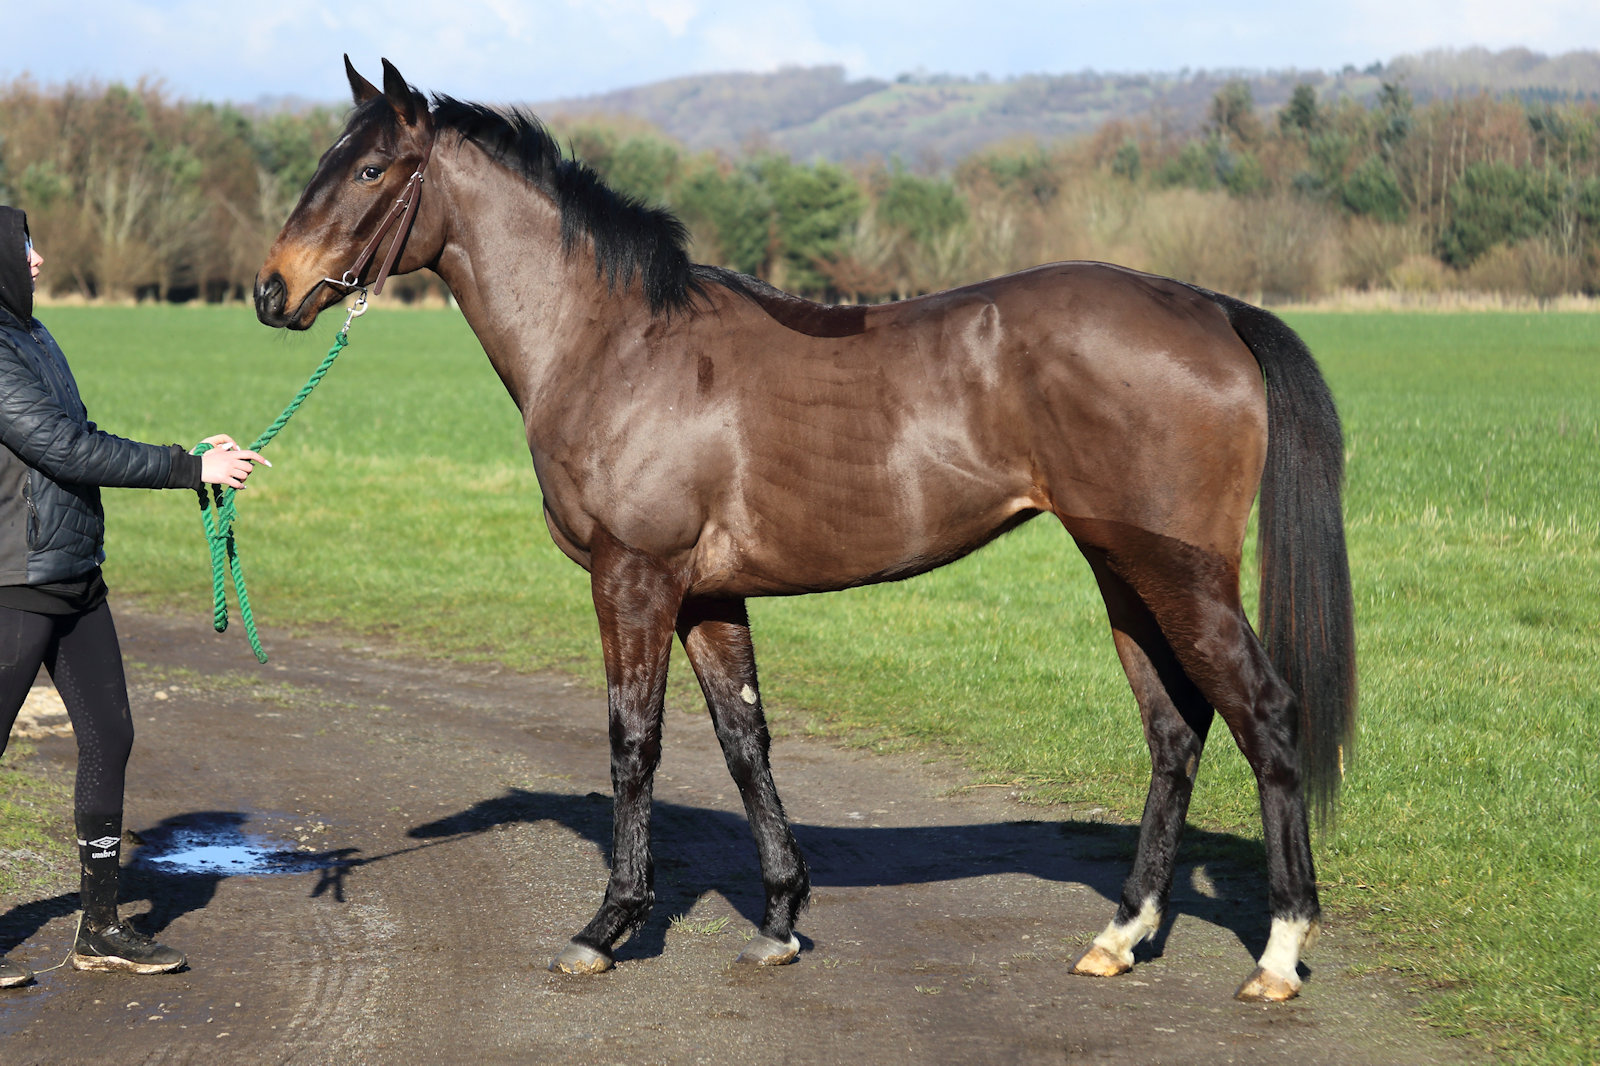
x=270 y=298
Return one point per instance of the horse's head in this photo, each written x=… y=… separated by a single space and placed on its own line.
x=356 y=215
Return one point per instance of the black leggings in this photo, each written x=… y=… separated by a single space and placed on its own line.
x=85 y=662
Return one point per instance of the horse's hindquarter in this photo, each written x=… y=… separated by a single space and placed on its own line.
x=1146 y=409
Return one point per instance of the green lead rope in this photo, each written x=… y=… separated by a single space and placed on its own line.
x=218 y=510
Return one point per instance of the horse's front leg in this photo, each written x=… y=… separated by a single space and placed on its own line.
x=636 y=600
x=716 y=635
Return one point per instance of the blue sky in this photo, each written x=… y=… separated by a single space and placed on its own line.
x=529 y=50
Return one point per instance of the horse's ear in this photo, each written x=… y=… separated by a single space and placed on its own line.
x=399 y=94
x=360 y=88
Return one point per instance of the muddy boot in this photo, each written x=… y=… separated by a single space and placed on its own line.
x=13 y=974
x=104 y=942
x=120 y=948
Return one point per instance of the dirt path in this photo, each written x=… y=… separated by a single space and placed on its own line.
x=402 y=847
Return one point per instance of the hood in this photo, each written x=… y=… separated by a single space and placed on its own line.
x=16 y=283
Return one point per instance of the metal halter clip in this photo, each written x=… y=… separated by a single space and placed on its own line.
x=349 y=280
x=357 y=309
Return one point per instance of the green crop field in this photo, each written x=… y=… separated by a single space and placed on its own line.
x=402 y=503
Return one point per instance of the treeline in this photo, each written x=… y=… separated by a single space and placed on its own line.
x=133 y=195
x=1471 y=193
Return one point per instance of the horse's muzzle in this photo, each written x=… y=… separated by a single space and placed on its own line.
x=272 y=297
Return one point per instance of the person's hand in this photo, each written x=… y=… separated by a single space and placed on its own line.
x=227 y=463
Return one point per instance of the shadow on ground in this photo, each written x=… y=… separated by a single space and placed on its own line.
x=700 y=851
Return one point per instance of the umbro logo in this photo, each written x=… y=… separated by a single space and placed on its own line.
x=103 y=842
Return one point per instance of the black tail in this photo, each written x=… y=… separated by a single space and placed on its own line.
x=1307 y=617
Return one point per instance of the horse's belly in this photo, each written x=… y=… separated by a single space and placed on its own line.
x=829 y=543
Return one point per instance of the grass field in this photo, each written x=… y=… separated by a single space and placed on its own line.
x=403 y=503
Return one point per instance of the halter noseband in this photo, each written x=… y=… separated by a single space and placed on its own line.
x=403 y=210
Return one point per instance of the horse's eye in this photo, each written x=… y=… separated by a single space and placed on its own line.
x=370 y=173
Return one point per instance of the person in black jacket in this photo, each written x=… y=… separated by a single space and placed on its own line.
x=53 y=609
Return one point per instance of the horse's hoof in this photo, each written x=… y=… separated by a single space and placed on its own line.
x=765 y=951
x=580 y=958
x=1265 y=987
x=1098 y=962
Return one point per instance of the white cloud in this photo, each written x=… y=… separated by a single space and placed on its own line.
x=764 y=40
x=675 y=15
x=1387 y=29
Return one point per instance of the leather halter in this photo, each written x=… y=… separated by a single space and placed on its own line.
x=403 y=210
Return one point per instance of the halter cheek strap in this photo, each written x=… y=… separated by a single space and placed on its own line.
x=403 y=211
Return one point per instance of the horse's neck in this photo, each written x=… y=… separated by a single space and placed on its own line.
x=533 y=307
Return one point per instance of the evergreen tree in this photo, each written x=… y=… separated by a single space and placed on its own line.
x=1493 y=203
x=1301 y=115
x=1372 y=190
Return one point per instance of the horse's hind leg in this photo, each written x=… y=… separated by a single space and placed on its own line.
x=716 y=636
x=636 y=602
x=1176 y=719
x=1193 y=595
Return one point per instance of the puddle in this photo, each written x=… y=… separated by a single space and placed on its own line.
x=218 y=847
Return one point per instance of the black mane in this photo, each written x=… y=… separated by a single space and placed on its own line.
x=628 y=237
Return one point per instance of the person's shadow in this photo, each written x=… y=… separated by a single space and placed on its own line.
x=699 y=851
x=156 y=875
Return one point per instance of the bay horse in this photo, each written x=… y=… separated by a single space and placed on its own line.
x=701 y=437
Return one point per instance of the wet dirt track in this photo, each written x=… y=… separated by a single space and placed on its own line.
x=407 y=844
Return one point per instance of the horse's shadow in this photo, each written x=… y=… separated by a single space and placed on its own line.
x=699 y=851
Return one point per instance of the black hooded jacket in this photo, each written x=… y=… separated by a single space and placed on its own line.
x=16 y=280
x=53 y=460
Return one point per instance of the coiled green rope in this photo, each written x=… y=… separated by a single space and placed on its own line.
x=218 y=511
